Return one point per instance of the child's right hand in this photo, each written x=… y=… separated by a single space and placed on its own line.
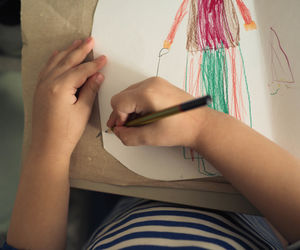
x=149 y=96
x=243 y=156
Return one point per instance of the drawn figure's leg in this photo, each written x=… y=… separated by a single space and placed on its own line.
x=189 y=154
x=245 y=95
x=239 y=98
x=215 y=78
x=193 y=85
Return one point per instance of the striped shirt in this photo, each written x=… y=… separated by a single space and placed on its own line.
x=142 y=224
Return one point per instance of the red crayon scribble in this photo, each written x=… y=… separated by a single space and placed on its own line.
x=181 y=12
x=237 y=106
x=211 y=24
x=236 y=112
x=197 y=85
x=249 y=23
x=191 y=73
x=279 y=74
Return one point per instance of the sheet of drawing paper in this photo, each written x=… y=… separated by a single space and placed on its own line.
x=131 y=34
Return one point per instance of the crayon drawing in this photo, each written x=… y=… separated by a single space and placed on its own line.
x=201 y=45
x=282 y=74
x=214 y=61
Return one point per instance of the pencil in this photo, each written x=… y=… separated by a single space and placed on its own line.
x=152 y=117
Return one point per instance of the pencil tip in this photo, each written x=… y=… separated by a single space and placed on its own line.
x=209 y=100
x=108 y=131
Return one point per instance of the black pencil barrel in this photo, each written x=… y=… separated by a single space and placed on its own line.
x=205 y=100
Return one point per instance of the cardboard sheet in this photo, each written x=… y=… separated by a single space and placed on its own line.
x=50 y=25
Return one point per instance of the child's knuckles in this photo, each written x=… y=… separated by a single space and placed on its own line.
x=68 y=62
x=87 y=68
x=114 y=101
x=79 y=74
x=83 y=50
x=148 y=93
x=54 y=89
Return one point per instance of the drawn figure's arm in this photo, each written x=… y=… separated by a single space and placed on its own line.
x=181 y=12
x=249 y=23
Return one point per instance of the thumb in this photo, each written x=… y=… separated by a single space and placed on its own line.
x=89 y=91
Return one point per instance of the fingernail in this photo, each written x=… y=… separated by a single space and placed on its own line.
x=76 y=42
x=101 y=58
x=99 y=78
x=88 y=40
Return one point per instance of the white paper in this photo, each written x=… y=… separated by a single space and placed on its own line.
x=131 y=33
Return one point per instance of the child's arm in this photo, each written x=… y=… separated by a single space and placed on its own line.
x=59 y=118
x=265 y=173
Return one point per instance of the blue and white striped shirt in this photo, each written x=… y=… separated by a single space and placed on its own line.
x=144 y=224
x=141 y=224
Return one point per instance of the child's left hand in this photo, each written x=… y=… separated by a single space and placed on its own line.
x=59 y=116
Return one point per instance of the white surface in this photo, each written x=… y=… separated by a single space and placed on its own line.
x=131 y=33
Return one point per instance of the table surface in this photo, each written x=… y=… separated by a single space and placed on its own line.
x=52 y=25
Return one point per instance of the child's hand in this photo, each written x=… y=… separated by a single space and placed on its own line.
x=59 y=116
x=149 y=96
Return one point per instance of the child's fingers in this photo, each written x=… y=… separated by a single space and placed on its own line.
x=133 y=136
x=88 y=93
x=116 y=119
x=112 y=119
x=45 y=68
x=57 y=57
x=125 y=102
x=74 y=58
x=77 y=76
x=128 y=136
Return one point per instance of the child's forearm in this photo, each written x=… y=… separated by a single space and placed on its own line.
x=265 y=173
x=39 y=218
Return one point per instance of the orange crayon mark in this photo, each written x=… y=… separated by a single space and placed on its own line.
x=249 y=23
